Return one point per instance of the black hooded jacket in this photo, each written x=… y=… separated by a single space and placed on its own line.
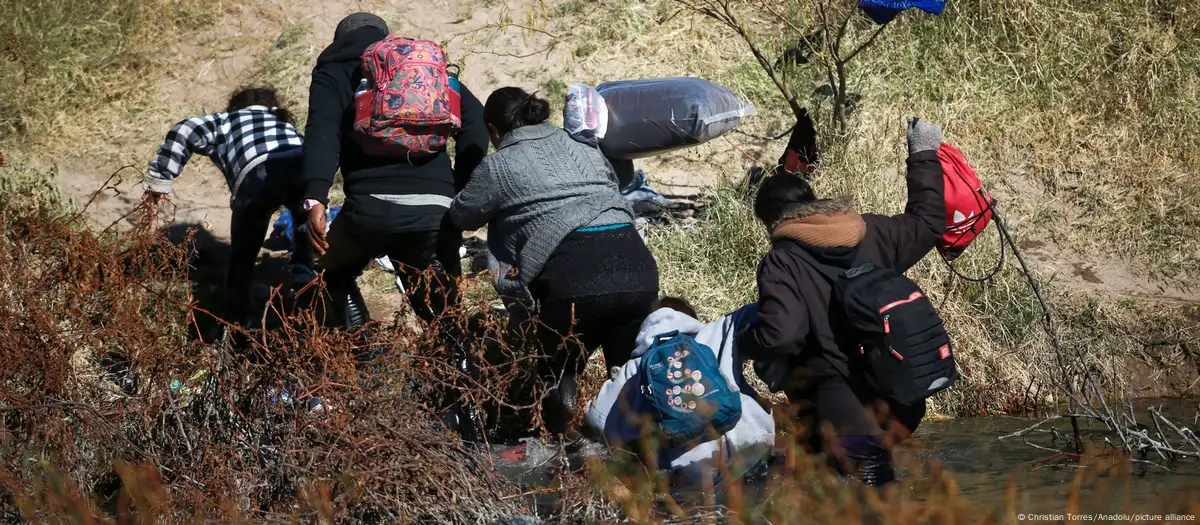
x=383 y=194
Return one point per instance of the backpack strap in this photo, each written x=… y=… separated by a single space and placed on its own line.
x=831 y=273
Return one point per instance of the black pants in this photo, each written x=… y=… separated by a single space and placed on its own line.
x=847 y=420
x=428 y=264
x=598 y=286
x=272 y=184
x=610 y=322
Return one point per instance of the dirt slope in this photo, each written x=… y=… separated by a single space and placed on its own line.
x=208 y=66
x=280 y=40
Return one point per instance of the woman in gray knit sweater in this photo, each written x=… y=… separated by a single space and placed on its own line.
x=559 y=227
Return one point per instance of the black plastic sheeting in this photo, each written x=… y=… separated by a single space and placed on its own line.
x=652 y=116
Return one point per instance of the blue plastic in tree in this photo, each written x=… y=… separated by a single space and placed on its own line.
x=883 y=11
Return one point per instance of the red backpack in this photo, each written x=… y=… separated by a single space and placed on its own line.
x=968 y=205
x=408 y=102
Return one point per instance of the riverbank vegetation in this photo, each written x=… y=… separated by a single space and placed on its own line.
x=1083 y=119
x=113 y=411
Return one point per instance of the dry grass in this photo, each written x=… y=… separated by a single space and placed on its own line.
x=1085 y=112
x=1081 y=114
x=1088 y=150
x=286 y=65
x=1092 y=149
x=75 y=447
x=68 y=62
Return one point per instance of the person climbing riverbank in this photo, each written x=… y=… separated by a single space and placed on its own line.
x=800 y=341
x=559 y=225
x=369 y=90
x=258 y=149
x=395 y=203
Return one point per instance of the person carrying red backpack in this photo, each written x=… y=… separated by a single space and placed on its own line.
x=382 y=108
x=799 y=346
x=398 y=177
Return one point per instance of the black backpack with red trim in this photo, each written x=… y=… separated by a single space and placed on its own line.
x=887 y=327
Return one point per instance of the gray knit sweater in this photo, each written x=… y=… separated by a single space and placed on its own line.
x=540 y=186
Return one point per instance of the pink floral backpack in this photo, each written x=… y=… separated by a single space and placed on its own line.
x=408 y=102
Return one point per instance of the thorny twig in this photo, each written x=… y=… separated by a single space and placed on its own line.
x=129 y=293
x=721 y=11
x=555 y=38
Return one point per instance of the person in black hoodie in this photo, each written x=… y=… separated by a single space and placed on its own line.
x=792 y=339
x=394 y=206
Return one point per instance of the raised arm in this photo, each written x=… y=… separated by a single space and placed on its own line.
x=195 y=135
x=909 y=236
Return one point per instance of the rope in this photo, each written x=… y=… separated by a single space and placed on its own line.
x=1047 y=315
x=763 y=138
x=1003 y=252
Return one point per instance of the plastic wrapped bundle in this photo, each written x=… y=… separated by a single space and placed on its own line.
x=585 y=116
x=654 y=116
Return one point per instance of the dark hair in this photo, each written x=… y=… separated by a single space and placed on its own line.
x=259 y=96
x=509 y=108
x=779 y=193
x=678 y=304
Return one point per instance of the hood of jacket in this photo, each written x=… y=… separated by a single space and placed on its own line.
x=350 y=47
x=619 y=397
x=660 y=322
x=825 y=223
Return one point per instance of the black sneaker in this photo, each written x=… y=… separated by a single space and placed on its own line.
x=461 y=418
x=558 y=407
x=120 y=370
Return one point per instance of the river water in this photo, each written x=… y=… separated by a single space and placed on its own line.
x=982 y=465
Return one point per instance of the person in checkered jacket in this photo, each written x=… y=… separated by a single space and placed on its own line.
x=257 y=148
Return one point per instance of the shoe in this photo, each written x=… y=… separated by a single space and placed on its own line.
x=558 y=407
x=120 y=370
x=461 y=418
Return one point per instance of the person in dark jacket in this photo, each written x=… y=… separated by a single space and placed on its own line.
x=792 y=335
x=561 y=234
x=394 y=206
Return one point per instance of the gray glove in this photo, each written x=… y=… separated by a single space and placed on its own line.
x=923 y=136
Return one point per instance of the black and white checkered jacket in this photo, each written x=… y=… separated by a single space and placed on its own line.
x=237 y=142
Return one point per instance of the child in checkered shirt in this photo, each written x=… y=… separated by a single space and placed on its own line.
x=257 y=148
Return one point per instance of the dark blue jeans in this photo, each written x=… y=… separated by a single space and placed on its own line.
x=272 y=184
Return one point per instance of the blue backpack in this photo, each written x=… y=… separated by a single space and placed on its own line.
x=683 y=382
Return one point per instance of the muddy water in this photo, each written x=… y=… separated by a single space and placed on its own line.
x=982 y=465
